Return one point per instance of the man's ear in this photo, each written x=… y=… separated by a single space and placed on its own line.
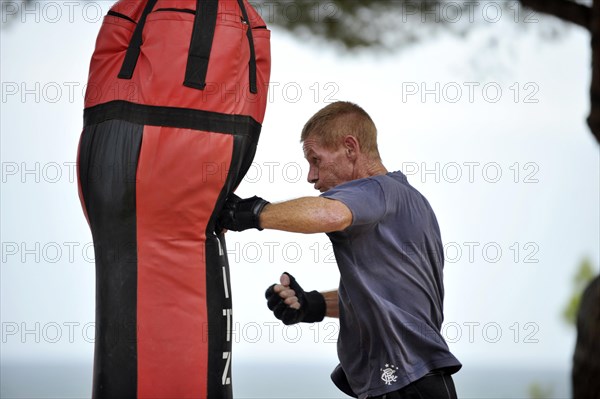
x=352 y=146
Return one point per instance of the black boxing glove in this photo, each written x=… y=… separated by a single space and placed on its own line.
x=312 y=305
x=241 y=214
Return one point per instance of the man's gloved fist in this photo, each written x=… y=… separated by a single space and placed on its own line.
x=241 y=214
x=309 y=308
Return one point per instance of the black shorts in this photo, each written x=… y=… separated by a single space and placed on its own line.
x=436 y=384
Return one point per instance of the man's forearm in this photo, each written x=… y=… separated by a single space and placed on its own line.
x=332 y=303
x=306 y=215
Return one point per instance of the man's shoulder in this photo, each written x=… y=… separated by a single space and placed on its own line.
x=372 y=182
x=366 y=184
x=390 y=181
x=396 y=176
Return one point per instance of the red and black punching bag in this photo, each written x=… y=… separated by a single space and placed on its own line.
x=175 y=100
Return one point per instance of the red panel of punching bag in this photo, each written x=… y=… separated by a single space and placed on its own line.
x=175 y=100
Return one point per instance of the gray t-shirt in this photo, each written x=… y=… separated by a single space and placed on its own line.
x=391 y=289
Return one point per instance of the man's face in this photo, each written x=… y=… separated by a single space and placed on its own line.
x=327 y=168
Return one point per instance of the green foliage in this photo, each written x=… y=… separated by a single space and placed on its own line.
x=351 y=23
x=385 y=25
x=582 y=277
x=537 y=391
x=379 y=24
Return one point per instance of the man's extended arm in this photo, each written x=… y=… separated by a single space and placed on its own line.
x=302 y=215
x=306 y=215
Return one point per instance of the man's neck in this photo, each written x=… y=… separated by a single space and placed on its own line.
x=371 y=167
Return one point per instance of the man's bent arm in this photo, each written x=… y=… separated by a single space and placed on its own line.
x=306 y=215
x=332 y=303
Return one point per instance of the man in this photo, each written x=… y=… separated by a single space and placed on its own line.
x=389 y=252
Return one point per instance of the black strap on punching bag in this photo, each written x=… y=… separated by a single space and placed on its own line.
x=202 y=38
x=133 y=51
x=252 y=62
x=200 y=45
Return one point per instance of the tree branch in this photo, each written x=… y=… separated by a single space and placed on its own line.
x=566 y=10
x=594 y=117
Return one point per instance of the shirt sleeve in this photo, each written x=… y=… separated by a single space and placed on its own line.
x=363 y=197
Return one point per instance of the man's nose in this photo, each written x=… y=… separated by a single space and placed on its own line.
x=313 y=176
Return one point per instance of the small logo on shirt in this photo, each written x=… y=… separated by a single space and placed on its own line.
x=387 y=374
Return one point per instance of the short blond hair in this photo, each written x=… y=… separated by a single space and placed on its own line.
x=337 y=120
